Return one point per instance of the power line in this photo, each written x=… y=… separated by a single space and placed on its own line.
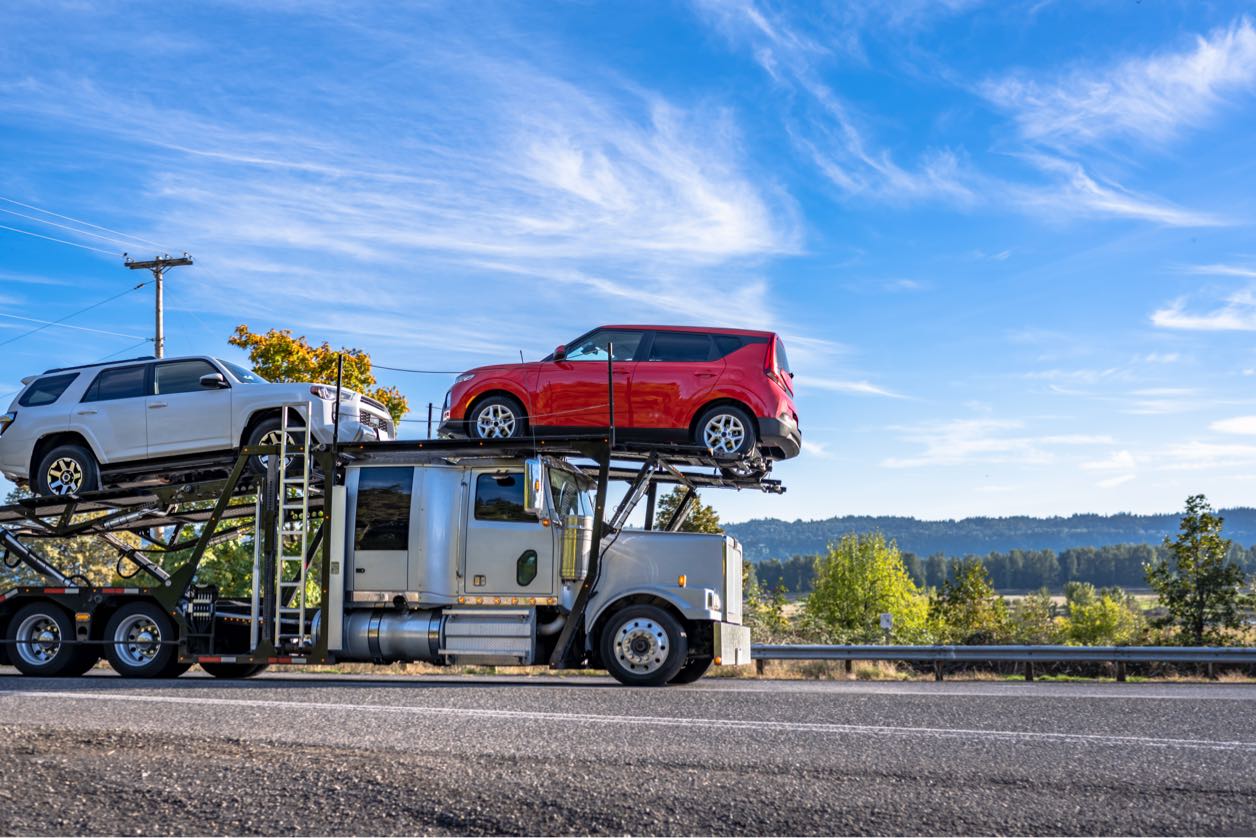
x=59 y=241
x=376 y=366
x=69 y=326
x=80 y=221
x=125 y=349
x=73 y=314
x=123 y=242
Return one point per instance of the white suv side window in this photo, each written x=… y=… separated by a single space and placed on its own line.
x=180 y=377
x=118 y=383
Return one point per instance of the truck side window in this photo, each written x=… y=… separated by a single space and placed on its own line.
x=383 y=512
x=499 y=497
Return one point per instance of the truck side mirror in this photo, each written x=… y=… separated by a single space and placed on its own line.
x=560 y=352
x=214 y=381
x=534 y=487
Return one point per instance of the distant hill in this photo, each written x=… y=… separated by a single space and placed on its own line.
x=771 y=538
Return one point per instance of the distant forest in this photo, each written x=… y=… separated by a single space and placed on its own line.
x=1020 y=553
x=1119 y=565
x=771 y=538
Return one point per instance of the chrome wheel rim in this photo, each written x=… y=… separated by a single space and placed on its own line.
x=642 y=646
x=64 y=476
x=38 y=640
x=724 y=433
x=137 y=640
x=496 y=421
x=275 y=437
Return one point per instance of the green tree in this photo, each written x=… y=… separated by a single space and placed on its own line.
x=1101 y=618
x=701 y=517
x=1034 y=620
x=278 y=356
x=859 y=579
x=967 y=609
x=1198 y=584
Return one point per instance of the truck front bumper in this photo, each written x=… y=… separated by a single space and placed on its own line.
x=732 y=644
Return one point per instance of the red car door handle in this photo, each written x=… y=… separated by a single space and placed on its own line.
x=704 y=375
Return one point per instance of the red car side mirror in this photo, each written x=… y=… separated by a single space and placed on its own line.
x=560 y=352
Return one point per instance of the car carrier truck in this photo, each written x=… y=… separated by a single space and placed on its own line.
x=494 y=552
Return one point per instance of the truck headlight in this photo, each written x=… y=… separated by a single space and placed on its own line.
x=325 y=393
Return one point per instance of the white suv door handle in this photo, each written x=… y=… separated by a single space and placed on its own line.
x=155 y=405
x=85 y=413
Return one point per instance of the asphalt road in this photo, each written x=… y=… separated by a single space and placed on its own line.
x=340 y=754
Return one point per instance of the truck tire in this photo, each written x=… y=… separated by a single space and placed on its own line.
x=726 y=431
x=268 y=432
x=138 y=642
x=234 y=670
x=41 y=639
x=692 y=670
x=497 y=417
x=66 y=470
x=643 y=646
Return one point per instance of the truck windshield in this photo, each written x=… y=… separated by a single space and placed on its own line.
x=569 y=497
x=241 y=374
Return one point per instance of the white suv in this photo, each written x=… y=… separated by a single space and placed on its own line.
x=68 y=426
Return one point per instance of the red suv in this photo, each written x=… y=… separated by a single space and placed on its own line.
x=728 y=390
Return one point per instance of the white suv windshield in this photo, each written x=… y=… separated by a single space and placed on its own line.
x=241 y=374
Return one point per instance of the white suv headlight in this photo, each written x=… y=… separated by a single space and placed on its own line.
x=6 y=420
x=328 y=393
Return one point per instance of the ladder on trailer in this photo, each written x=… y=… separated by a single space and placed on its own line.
x=292 y=531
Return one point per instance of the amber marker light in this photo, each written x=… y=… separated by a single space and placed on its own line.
x=682 y=580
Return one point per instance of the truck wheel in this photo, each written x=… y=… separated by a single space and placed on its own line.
x=67 y=470
x=692 y=671
x=643 y=646
x=234 y=670
x=138 y=642
x=497 y=417
x=726 y=431
x=269 y=432
x=41 y=638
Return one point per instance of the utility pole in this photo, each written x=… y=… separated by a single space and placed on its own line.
x=158 y=267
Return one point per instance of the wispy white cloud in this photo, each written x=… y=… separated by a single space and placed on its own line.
x=824 y=126
x=964 y=441
x=1143 y=99
x=1242 y=271
x=1235 y=312
x=1236 y=425
x=834 y=385
x=1075 y=192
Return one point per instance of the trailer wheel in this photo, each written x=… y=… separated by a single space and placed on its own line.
x=643 y=646
x=692 y=670
x=234 y=670
x=138 y=642
x=41 y=636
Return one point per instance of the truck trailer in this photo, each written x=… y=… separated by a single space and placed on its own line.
x=487 y=552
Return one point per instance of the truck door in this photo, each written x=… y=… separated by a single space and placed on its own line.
x=508 y=550
x=381 y=527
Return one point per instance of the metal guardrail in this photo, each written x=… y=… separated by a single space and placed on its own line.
x=1210 y=656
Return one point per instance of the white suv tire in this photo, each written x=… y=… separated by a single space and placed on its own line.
x=66 y=470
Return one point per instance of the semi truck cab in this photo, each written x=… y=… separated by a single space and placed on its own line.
x=481 y=562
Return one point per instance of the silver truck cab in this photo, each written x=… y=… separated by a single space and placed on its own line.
x=481 y=561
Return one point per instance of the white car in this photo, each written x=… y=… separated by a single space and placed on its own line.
x=69 y=426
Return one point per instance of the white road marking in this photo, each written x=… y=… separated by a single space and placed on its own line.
x=652 y=721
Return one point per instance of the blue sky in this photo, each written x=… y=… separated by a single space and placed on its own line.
x=1010 y=245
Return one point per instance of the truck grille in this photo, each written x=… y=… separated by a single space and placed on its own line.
x=372 y=421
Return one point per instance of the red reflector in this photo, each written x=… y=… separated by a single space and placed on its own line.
x=112 y=590
x=209 y=659
x=54 y=590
